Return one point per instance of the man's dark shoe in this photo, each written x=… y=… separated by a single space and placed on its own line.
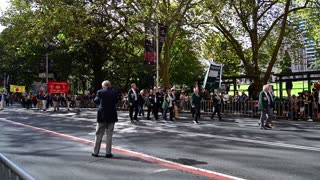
x=269 y=127
x=109 y=155
x=94 y=155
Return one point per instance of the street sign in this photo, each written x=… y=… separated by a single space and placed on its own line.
x=43 y=75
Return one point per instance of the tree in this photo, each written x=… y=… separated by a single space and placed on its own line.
x=184 y=66
x=67 y=29
x=177 y=16
x=258 y=20
x=218 y=49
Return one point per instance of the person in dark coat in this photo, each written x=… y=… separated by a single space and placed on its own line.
x=216 y=100
x=289 y=87
x=107 y=117
x=196 y=103
x=151 y=104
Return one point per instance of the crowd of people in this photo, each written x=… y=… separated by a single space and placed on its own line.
x=43 y=101
x=166 y=104
x=304 y=106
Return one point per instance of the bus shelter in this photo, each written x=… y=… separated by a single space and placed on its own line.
x=308 y=76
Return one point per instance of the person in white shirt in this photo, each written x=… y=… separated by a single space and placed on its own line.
x=133 y=102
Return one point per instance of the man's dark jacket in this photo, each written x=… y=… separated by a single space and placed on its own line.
x=107 y=100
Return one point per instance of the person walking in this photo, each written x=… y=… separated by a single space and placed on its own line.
x=133 y=102
x=49 y=101
x=158 y=99
x=78 y=102
x=175 y=109
x=167 y=105
x=141 y=101
x=2 y=96
x=68 y=98
x=263 y=106
x=150 y=104
x=34 y=101
x=56 y=102
x=106 y=118
x=182 y=101
x=270 y=97
x=43 y=98
x=195 y=103
x=216 y=99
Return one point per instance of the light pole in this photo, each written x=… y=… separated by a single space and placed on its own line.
x=138 y=82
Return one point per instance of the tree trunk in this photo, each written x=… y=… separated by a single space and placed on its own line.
x=98 y=74
x=257 y=87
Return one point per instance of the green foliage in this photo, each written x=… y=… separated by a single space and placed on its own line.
x=97 y=40
x=184 y=66
x=218 y=49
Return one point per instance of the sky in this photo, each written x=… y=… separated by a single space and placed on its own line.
x=3 y=5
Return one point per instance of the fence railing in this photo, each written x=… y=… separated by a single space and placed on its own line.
x=9 y=171
x=282 y=109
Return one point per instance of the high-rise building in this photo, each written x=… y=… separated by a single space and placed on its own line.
x=311 y=48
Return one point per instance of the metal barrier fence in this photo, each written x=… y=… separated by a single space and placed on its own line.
x=9 y=171
x=282 y=109
x=297 y=109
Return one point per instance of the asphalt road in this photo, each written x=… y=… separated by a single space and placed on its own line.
x=58 y=145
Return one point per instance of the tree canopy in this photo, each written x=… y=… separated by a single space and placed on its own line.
x=93 y=40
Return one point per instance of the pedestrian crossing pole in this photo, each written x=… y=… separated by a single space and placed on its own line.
x=47 y=68
x=4 y=82
x=157 y=52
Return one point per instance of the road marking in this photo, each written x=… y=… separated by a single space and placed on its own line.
x=148 y=158
x=277 y=144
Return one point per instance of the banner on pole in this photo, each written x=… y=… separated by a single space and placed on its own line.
x=39 y=87
x=17 y=89
x=150 y=44
x=163 y=30
x=213 y=76
x=56 y=87
x=149 y=51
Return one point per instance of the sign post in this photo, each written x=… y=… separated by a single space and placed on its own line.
x=213 y=76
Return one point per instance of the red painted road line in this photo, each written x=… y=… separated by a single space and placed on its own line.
x=155 y=160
